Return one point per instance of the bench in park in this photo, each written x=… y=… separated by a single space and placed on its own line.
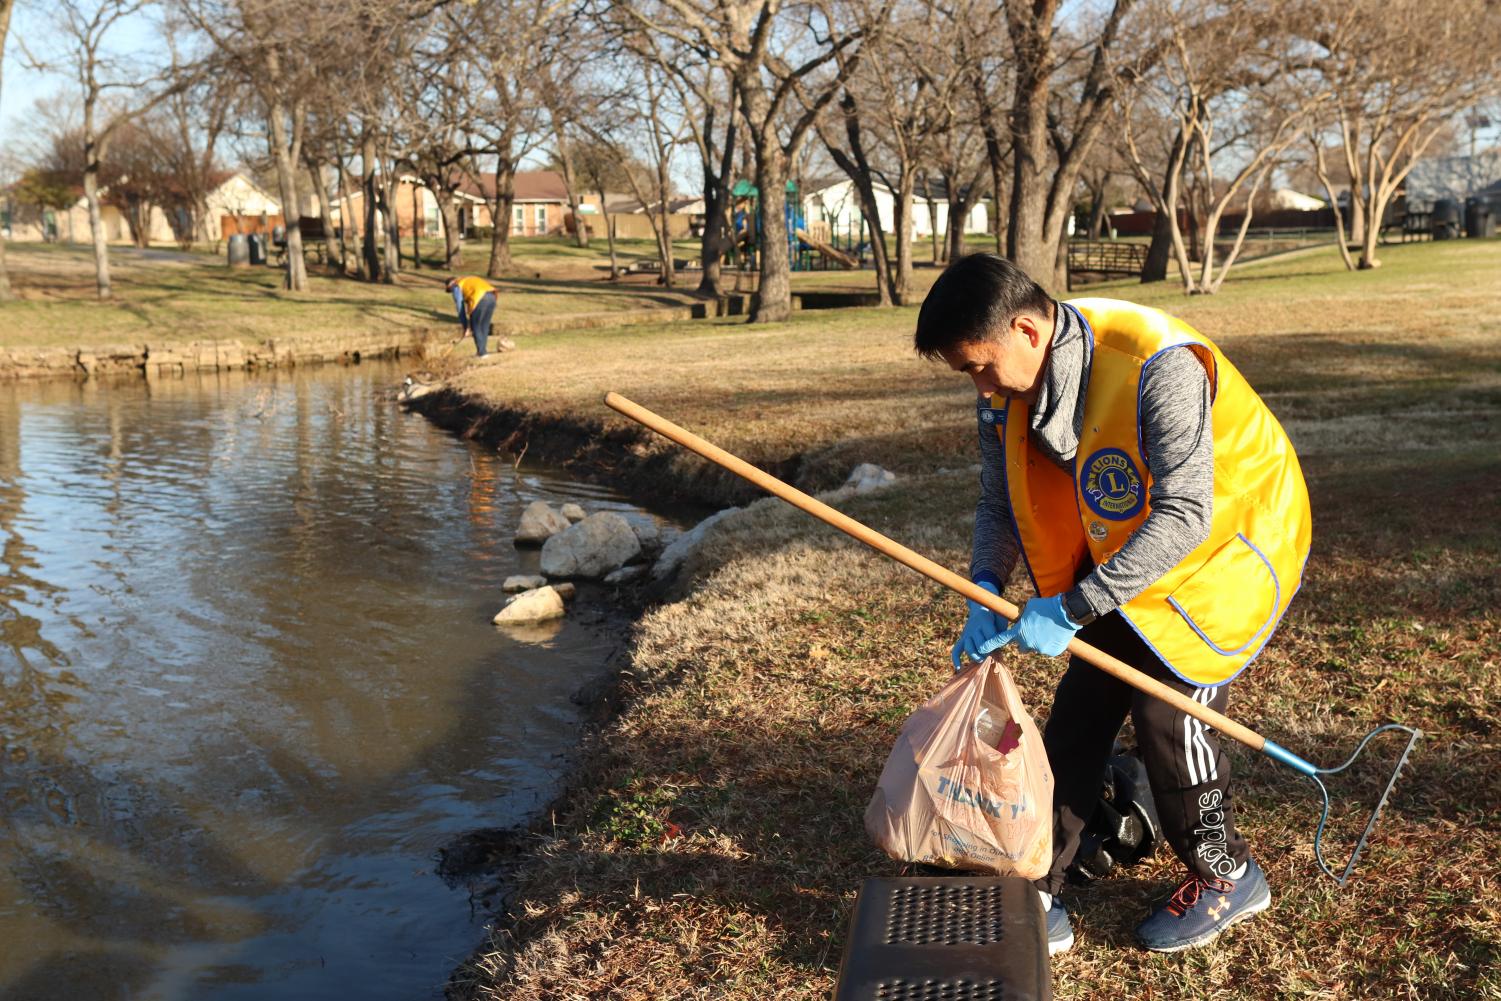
x=1106 y=257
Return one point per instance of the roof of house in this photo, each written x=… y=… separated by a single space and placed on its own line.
x=530 y=186
x=689 y=204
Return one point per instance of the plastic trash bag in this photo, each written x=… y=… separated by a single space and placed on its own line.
x=968 y=785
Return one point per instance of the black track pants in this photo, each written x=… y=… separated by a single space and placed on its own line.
x=1188 y=770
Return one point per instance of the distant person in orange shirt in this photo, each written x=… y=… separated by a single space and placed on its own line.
x=475 y=299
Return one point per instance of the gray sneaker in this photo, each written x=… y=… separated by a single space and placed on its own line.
x=1202 y=908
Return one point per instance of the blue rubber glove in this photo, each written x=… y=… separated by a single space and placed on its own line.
x=983 y=626
x=1044 y=627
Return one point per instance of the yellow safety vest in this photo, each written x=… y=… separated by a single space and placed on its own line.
x=474 y=290
x=1213 y=612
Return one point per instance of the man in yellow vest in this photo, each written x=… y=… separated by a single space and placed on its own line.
x=475 y=300
x=1161 y=514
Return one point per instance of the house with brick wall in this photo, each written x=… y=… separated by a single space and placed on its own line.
x=541 y=204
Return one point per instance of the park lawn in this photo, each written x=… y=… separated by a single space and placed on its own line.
x=165 y=296
x=712 y=842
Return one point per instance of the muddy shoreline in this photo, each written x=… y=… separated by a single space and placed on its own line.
x=643 y=466
x=634 y=462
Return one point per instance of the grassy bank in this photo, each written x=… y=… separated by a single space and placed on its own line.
x=166 y=296
x=712 y=843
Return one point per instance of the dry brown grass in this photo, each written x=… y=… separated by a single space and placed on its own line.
x=163 y=295
x=712 y=844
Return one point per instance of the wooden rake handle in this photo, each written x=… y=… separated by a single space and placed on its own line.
x=933 y=571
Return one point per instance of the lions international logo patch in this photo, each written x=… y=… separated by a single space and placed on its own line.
x=1112 y=486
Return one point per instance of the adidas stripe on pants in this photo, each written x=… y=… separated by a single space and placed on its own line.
x=1186 y=766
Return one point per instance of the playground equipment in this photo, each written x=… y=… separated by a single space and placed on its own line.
x=811 y=244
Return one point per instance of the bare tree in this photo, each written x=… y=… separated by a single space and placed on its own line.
x=771 y=52
x=113 y=90
x=600 y=169
x=507 y=120
x=852 y=157
x=636 y=128
x=1400 y=70
x=707 y=96
x=1050 y=139
x=319 y=146
x=6 y=6
x=277 y=49
x=897 y=98
x=1231 y=87
x=438 y=153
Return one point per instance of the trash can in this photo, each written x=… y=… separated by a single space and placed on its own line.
x=258 y=248
x=1479 y=223
x=239 y=251
x=958 y=938
x=1445 y=219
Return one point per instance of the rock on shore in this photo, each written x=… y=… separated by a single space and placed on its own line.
x=592 y=548
x=867 y=477
x=673 y=556
x=523 y=582
x=537 y=605
x=539 y=522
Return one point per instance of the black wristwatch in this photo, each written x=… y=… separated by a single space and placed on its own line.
x=1078 y=609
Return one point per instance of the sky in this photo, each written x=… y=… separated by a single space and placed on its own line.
x=20 y=86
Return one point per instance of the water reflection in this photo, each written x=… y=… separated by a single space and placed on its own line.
x=248 y=685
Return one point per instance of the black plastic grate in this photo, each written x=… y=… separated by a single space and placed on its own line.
x=941 y=990
x=946 y=915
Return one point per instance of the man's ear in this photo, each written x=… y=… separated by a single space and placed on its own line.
x=1026 y=325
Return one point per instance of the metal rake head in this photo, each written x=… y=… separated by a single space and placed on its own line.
x=1314 y=774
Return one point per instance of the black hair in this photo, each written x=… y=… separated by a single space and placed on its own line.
x=976 y=297
x=452 y=280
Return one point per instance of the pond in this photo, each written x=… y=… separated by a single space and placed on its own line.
x=249 y=685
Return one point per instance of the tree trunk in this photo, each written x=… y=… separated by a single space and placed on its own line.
x=1357 y=218
x=959 y=209
x=870 y=210
x=5 y=291
x=995 y=156
x=1321 y=170
x=388 y=190
x=772 y=302
x=902 y=291
x=570 y=187
x=200 y=219
x=418 y=219
x=137 y=215
x=1029 y=163
x=713 y=245
x=346 y=218
x=320 y=187
x=500 y=212
x=452 y=237
x=96 y=221
x=1160 y=251
x=1095 y=227
x=371 y=269
x=286 y=176
x=716 y=239
x=927 y=195
x=609 y=234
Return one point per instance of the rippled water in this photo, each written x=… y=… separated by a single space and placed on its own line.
x=248 y=686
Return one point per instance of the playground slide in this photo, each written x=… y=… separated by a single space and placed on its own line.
x=839 y=256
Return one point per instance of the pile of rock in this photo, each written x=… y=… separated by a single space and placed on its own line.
x=615 y=547
x=605 y=545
